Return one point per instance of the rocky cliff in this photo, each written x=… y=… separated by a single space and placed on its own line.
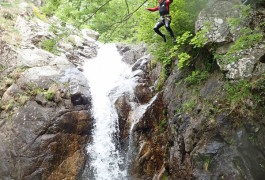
x=45 y=117
x=208 y=121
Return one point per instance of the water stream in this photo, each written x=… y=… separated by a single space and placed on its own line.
x=108 y=78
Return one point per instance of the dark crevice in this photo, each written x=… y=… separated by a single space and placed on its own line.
x=262 y=59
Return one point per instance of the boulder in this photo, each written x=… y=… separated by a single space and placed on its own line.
x=33 y=57
x=76 y=40
x=216 y=15
x=131 y=54
x=248 y=63
x=251 y=63
x=123 y=48
x=90 y=34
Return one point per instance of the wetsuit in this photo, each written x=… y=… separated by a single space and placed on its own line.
x=165 y=18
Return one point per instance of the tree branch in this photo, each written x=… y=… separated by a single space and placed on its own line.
x=95 y=12
x=127 y=17
x=127 y=5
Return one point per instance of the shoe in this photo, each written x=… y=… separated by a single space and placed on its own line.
x=174 y=40
x=164 y=37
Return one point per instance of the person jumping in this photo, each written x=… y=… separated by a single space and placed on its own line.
x=165 y=18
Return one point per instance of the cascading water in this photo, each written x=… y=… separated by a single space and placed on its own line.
x=108 y=78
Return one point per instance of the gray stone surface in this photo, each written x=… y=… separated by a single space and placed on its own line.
x=216 y=15
x=45 y=118
x=248 y=64
x=90 y=34
x=131 y=53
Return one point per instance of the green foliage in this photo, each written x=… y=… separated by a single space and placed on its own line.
x=243 y=97
x=244 y=12
x=184 y=60
x=248 y=39
x=121 y=21
x=262 y=24
x=38 y=14
x=165 y=176
x=184 y=38
x=234 y=22
x=22 y=99
x=207 y=161
x=196 y=77
x=5 y=4
x=188 y=105
x=13 y=102
x=237 y=92
x=50 y=7
x=118 y=21
x=49 y=95
x=258 y=91
x=2 y=67
x=200 y=39
x=179 y=50
x=8 y=16
x=49 y=45
x=6 y=82
x=163 y=125
x=10 y=105
x=161 y=80
x=181 y=42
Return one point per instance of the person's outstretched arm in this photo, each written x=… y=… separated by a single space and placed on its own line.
x=153 y=9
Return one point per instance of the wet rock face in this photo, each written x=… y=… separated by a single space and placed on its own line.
x=123 y=107
x=150 y=141
x=140 y=65
x=144 y=142
x=46 y=137
x=131 y=53
x=43 y=144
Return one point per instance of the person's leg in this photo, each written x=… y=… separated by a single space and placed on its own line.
x=156 y=29
x=167 y=25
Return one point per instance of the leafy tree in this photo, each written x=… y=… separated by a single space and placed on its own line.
x=119 y=20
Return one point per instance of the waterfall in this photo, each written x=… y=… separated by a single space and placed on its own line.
x=108 y=78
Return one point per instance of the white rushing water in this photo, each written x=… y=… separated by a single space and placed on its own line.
x=108 y=78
